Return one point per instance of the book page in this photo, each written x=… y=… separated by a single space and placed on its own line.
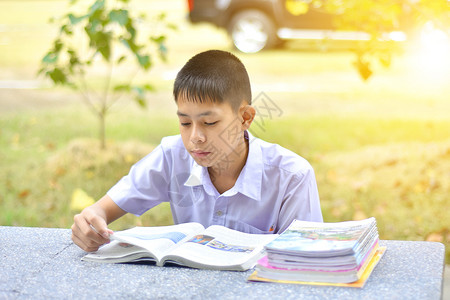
x=117 y=252
x=157 y=240
x=222 y=248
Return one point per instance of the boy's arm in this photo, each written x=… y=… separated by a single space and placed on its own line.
x=301 y=202
x=98 y=216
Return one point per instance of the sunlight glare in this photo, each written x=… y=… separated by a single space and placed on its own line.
x=433 y=53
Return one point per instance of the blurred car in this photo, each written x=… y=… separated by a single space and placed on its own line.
x=254 y=25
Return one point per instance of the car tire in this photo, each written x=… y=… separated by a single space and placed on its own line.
x=252 y=31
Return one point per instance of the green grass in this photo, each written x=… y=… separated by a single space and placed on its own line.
x=44 y=159
x=313 y=136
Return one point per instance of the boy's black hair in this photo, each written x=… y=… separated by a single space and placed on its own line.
x=213 y=76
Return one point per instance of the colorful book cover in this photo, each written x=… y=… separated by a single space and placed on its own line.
x=315 y=238
x=358 y=284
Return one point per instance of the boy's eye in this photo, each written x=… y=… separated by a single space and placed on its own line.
x=185 y=124
x=210 y=124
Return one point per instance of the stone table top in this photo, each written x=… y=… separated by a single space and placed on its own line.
x=43 y=263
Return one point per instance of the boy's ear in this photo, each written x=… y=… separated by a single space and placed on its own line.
x=247 y=114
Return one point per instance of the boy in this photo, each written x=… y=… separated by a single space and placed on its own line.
x=215 y=171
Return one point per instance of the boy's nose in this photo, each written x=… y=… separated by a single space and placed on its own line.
x=197 y=135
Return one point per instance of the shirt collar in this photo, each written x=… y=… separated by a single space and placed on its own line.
x=195 y=177
x=249 y=181
x=200 y=176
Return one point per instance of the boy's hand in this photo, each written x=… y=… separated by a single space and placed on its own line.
x=89 y=230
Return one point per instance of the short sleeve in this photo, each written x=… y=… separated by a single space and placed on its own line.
x=301 y=200
x=145 y=186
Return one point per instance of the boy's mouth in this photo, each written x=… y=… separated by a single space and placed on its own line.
x=200 y=153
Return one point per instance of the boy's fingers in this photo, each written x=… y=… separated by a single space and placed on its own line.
x=80 y=243
x=85 y=232
x=98 y=225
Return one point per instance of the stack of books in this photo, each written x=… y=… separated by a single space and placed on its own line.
x=343 y=253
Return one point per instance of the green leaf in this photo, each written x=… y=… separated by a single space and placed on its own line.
x=144 y=61
x=120 y=16
x=99 y=4
x=172 y=26
x=101 y=41
x=57 y=76
x=148 y=87
x=158 y=39
x=75 y=20
x=50 y=58
x=138 y=90
x=74 y=60
x=66 y=29
x=130 y=44
x=121 y=59
x=122 y=87
x=162 y=51
x=161 y=17
x=131 y=30
x=58 y=45
x=105 y=51
x=141 y=101
x=140 y=96
x=94 y=25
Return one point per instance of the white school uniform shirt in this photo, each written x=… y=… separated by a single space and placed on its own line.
x=274 y=187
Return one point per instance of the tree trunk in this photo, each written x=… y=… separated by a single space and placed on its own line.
x=102 y=134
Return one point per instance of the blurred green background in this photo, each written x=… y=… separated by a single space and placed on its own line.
x=379 y=148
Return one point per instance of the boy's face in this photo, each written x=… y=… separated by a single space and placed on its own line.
x=212 y=133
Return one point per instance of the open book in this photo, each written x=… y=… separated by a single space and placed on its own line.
x=188 y=244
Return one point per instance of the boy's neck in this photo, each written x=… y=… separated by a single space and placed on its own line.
x=225 y=175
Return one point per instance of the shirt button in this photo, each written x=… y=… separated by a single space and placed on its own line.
x=219 y=213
